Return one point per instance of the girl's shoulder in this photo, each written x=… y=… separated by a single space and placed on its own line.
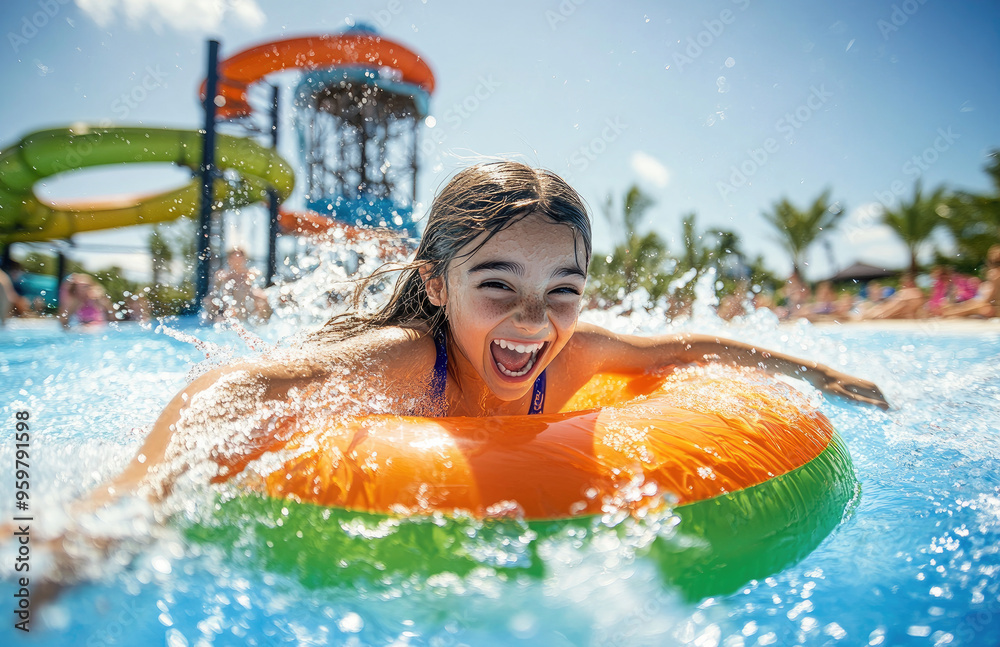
x=382 y=351
x=590 y=337
x=390 y=364
x=590 y=351
x=586 y=349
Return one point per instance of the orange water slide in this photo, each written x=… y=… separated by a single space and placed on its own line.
x=312 y=224
x=306 y=223
x=240 y=71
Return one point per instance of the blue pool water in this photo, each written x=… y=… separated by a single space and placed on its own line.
x=917 y=563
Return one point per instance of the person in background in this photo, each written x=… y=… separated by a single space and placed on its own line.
x=964 y=287
x=15 y=272
x=986 y=301
x=826 y=300
x=993 y=277
x=732 y=305
x=38 y=307
x=829 y=306
x=906 y=303
x=794 y=296
x=950 y=288
x=235 y=295
x=871 y=296
x=844 y=310
x=9 y=298
x=764 y=300
x=83 y=301
x=941 y=288
x=135 y=308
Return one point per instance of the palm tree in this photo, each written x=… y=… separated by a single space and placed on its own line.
x=915 y=220
x=798 y=229
x=639 y=250
x=974 y=220
x=637 y=259
x=721 y=248
x=695 y=252
x=728 y=253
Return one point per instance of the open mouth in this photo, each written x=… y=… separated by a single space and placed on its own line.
x=515 y=359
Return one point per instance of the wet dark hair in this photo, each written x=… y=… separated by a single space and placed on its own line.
x=482 y=199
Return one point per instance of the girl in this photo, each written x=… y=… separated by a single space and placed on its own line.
x=483 y=322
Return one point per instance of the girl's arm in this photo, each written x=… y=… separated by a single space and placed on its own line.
x=250 y=400
x=613 y=353
x=213 y=402
x=221 y=396
x=228 y=415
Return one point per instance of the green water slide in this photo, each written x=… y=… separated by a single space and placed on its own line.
x=45 y=153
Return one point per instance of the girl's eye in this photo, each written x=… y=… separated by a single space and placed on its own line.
x=566 y=290
x=495 y=285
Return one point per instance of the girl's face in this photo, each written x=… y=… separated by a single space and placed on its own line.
x=513 y=305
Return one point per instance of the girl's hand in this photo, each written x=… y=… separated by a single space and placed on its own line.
x=854 y=388
x=630 y=354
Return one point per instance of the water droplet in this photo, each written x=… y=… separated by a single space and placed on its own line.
x=351 y=623
x=175 y=638
x=161 y=564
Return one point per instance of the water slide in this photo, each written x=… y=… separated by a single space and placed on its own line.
x=26 y=218
x=361 y=49
x=358 y=48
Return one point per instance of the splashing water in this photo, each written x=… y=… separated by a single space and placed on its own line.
x=917 y=562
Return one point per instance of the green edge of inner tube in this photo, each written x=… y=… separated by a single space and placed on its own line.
x=718 y=545
x=724 y=542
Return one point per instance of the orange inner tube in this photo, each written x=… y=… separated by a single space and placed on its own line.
x=695 y=435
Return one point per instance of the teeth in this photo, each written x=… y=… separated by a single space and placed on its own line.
x=523 y=371
x=520 y=348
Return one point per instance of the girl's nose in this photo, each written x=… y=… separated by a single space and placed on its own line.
x=531 y=315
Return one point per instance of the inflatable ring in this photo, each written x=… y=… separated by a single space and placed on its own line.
x=42 y=154
x=755 y=477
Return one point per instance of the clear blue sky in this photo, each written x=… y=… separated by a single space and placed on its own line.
x=684 y=98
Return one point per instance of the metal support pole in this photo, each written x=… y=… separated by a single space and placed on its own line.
x=272 y=200
x=207 y=179
x=60 y=275
x=414 y=163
